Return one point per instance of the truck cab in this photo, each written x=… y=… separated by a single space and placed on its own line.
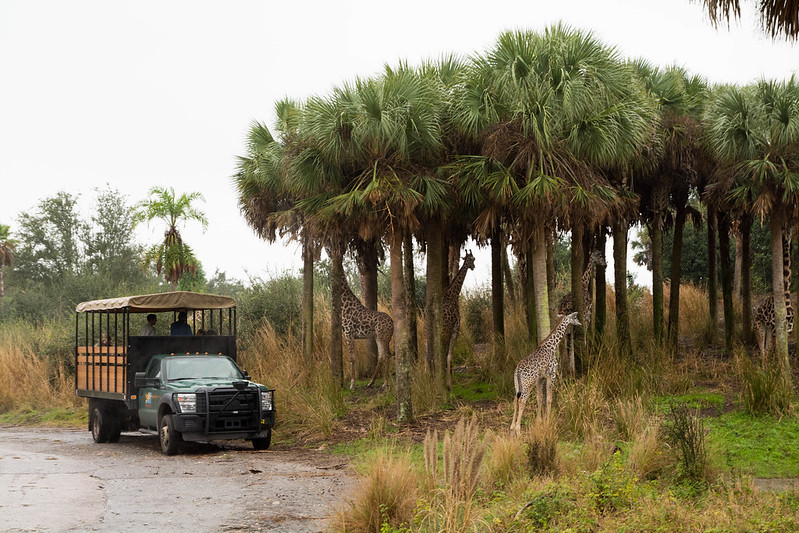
x=182 y=387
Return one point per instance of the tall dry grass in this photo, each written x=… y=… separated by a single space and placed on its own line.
x=307 y=398
x=30 y=379
x=385 y=496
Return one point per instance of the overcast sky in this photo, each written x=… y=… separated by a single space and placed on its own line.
x=162 y=93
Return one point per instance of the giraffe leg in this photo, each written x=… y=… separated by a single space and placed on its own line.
x=515 y=410
x=351 y=348
x=761 y=341
x=522 y=403
x=450 y=347
x=540 y=393
x=381 y=354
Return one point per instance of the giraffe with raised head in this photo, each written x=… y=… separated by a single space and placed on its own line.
x=764 y=316
x=539 y=369
x=360 y=322
x=566 y=304
x=452 y=312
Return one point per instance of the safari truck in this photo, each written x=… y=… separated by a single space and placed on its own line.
x=180 y=387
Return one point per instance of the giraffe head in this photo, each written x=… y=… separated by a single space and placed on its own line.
x=596 y=258
x=468 y=260
x=571 y=319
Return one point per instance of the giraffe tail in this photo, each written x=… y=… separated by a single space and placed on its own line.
x=517 y=383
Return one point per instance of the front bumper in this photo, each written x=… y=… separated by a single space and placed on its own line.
x=194 y=427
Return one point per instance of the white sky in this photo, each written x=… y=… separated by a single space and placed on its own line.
x=162 y=93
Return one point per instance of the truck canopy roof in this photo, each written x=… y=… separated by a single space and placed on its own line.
x=155 y=303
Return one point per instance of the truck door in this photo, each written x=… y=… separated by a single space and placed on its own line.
x=150 y=397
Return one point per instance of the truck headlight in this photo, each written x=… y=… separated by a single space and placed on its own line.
x=187 y=402
x=266 y=400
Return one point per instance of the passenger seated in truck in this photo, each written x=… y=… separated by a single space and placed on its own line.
x=180 y=326
x=148 y=330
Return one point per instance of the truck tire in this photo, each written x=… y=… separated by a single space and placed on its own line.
x=101 y=425
x=116 y=430
x=263 y=442
x=170 y=439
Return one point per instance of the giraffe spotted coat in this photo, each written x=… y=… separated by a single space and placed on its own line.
x=539 y=370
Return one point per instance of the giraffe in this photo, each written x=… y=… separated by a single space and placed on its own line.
x=540 y=369
x=566 y=304
x=763 y=314
x=359 y=322
x=452 y=313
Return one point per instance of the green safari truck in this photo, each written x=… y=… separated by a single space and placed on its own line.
x=184 y=387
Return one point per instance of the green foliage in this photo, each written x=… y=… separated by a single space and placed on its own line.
x=765 y=390
x=548 y=505
x=612 y=487
x=476 y=305
x=277 y=300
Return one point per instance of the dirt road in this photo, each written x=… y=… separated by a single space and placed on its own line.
x=60 y=480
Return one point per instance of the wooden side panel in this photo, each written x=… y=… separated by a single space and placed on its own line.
x=101 y=371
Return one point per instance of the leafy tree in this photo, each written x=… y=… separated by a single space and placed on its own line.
x=172 y=256
x=109 y=248
x=50 y=240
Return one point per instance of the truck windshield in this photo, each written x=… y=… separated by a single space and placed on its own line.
x=201 y=367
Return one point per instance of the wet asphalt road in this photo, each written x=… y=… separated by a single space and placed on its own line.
x=60 y=480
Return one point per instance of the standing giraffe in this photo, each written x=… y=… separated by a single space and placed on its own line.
x=452 y=312
x=359 y=322
x=566 y=304
x=764 y=315
x=540 y=369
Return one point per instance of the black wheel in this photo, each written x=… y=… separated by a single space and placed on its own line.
x=170 y=439
x=263 y=442
x=116 y=430
x=101 y=426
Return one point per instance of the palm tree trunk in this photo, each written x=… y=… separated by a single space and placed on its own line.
x=712 y=271
x=577 y=289
x=497 y=295
x=657 y=277
x=367 y=268
x=746 y=277
x=410 y=291
x=600 y=308
x=541 y=290
x=529 y=297
x=2 y=283
x=776 y=223
x=307 y=298
x=738 y=272
x=434 y=300
x=726 y=280
x=550 y=270
x=402 y=352
x=336 y=252
x=620 y=282
x=508 y=275
x=676 y=272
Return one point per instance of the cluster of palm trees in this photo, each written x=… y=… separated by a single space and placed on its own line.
x=546 y=132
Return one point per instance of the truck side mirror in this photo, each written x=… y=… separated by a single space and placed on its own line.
x=139 y=380
x=245 y=375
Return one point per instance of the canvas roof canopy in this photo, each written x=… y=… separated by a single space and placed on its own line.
x=155 y=303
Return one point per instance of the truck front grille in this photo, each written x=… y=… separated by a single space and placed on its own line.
x=230 y=410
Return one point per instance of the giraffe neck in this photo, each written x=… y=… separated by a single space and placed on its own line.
x=346 y=293
x=588 y=274
x=786 y=266
x=556 y=334
x=454 y=288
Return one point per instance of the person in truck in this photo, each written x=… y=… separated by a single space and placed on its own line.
x=180 y=326
x=148 y=330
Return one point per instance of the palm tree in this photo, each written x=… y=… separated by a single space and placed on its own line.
x=756 y=130
x=778 y=17
x=7 y=245
x=552 y=110
x=668 y=173
x=172 y=256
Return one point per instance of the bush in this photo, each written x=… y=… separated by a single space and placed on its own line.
x=686 y=432
x=764 y=388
